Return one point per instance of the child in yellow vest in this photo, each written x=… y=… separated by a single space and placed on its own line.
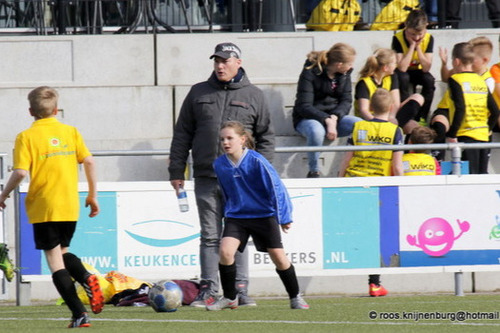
x=468 y=110
x=414 y=47
x=376 y=131
x=378 y=72
x=483 y=50
x=419 y=162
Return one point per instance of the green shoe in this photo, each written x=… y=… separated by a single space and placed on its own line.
x=423 y=122
x=5 y=263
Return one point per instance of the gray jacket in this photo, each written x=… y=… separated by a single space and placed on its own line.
x=208 y=105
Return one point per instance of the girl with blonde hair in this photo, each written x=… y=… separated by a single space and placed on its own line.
x=256 y=204
x=378 y=72
x=324 y=99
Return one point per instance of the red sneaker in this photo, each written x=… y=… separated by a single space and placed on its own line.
x=94 y=293
x=377 y=290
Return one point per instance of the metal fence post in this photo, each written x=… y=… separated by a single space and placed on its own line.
x=23 y=289
x=459 y=284
x=456 y=161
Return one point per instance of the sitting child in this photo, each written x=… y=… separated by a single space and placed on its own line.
x=419 y=162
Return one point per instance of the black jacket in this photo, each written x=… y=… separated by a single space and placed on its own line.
x=316 y=99
x=208 y=105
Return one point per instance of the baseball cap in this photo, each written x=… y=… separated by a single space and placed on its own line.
x=226 y=51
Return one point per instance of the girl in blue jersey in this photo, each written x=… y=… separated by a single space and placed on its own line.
x=256 y=204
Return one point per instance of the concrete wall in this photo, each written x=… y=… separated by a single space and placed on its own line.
x=397 y=284
x=124 y=91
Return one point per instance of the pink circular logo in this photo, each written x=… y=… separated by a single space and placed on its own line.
x=436 y=236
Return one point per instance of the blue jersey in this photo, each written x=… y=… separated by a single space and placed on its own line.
x=252 y=188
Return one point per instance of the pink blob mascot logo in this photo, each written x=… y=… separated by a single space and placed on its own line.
x=436 y=236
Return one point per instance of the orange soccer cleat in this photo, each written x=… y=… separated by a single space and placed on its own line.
x=377 y=290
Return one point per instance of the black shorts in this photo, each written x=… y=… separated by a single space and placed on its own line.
x=50 y=234
x=265 y=232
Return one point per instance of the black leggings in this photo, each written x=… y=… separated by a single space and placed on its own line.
x=407 y=112
x=417 y=77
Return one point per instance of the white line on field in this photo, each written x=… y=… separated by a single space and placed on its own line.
x=405 y=323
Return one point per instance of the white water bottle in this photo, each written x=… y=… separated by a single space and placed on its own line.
x=183 y=200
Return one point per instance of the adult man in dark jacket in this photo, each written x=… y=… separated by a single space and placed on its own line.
x=226 y=95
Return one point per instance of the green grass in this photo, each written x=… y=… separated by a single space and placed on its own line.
x=327 y=314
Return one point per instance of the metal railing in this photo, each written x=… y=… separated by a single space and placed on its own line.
x=455 y=148
x=142 y=16
x=43 y=17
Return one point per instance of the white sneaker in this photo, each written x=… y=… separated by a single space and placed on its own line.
x=299 y=303
x=223 y=303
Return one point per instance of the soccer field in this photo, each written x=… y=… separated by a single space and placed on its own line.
x=428 y=313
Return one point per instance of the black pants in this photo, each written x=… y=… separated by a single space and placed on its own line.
x=60 y=8
x=412 y=78
x=452 y=12
x=493 y=7
x=478 y=158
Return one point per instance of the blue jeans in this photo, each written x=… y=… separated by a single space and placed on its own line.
x=431 y=9
x=315 y=132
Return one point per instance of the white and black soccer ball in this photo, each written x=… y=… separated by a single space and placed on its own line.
x=165 y=296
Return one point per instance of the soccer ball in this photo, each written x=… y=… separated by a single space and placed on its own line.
x=165 y=296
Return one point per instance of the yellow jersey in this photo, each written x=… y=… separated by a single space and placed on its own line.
x=476 y=113
x=415 y=62
x=419 y=164
x=51 y=152
x=486 y=76
x=372 y=86
x=377 y=162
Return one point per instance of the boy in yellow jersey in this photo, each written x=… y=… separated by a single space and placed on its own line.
x=377 y=131
x=483 y=50
x=418 y=162
x=468 y=111
x=414 y=47
x=49 y=153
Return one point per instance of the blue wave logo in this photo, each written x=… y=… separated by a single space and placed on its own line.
x=168 y=224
